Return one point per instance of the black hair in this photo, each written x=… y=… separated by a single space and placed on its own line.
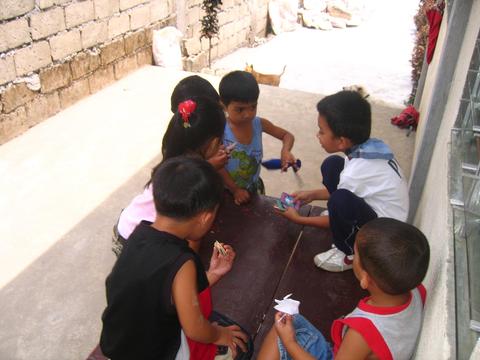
x=184 y=186
x=207 y=121
x=238 y=86
x=395 y=254
x=193 y=85
x=348 y=114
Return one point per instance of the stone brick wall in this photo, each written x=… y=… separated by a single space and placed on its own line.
x=55 y=52
x=239 y=21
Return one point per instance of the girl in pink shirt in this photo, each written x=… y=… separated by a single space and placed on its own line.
x=200 y=136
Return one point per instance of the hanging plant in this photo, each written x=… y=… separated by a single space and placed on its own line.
x=210 y=23
x=421 y=36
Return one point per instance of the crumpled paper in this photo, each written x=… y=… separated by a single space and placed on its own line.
x=287 y=305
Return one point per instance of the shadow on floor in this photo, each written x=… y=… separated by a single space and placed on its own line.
x=52 y=309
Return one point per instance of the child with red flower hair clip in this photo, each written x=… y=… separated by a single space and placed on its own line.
x=195 y=129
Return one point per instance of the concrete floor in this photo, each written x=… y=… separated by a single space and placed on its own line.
x=68 y=178
x=375 y=54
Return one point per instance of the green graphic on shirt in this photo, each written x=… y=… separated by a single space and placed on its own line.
x=246 y=170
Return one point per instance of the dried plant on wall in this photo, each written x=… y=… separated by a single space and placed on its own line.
x=210 y=23
x=421 y=36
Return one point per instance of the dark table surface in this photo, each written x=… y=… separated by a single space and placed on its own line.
x=274 y=257
x=263 y=243
x=324 y=296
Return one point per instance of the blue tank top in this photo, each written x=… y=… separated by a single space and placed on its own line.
x=244 y=162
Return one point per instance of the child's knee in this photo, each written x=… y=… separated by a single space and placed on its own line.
x=311 y=339
x=300 y=322
x=339 y=199
x=332 y=163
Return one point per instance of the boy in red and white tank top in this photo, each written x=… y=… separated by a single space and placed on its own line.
x=390 y=262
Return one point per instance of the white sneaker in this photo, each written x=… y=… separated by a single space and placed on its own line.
x=319 y=259
x=337 y=261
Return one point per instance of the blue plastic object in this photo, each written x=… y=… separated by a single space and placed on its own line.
x=276 y=164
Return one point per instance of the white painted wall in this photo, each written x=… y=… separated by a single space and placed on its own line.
x=428 y=88
x=434 y=214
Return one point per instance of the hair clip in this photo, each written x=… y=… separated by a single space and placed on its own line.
x=186 y=108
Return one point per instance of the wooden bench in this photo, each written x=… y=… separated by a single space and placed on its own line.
x=274 y=258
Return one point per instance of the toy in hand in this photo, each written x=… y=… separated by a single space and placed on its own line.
x=287 y=306
x=276 y=164
x=286 y=201
x=220 y=248
x=230 y=147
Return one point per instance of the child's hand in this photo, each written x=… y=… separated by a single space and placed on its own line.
x=304 y=196
x=241 y=196
x=232 y=336
x=287 y=159
x=290 y=213
x=220 y=264
x=219 y=160
x=284 y=327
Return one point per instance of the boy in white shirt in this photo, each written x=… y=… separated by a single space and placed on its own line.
x=366 y=184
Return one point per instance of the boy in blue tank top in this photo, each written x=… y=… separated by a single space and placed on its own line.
x=239 y=93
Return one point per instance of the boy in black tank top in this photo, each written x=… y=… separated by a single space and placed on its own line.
x=152 y=291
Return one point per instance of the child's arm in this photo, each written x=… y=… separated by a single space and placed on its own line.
x=287 y=139
x=307 y=196
x=353 y=347
x=194 y=324
x=292 y=215
x=286 y=332
x=240 y=195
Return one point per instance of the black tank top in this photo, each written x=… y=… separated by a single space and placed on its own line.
x=140 y=321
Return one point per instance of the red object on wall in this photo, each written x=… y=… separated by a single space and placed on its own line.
x=408 y=119
x=434 y=17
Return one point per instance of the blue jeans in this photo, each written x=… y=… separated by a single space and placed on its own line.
x=309 y=338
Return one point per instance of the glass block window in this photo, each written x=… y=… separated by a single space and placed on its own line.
x=465 y=201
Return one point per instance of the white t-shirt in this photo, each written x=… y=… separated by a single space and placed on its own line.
x=380 y=183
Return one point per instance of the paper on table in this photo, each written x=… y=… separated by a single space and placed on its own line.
x=287 y=305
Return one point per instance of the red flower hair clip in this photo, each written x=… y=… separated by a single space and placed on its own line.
x=186 y=108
